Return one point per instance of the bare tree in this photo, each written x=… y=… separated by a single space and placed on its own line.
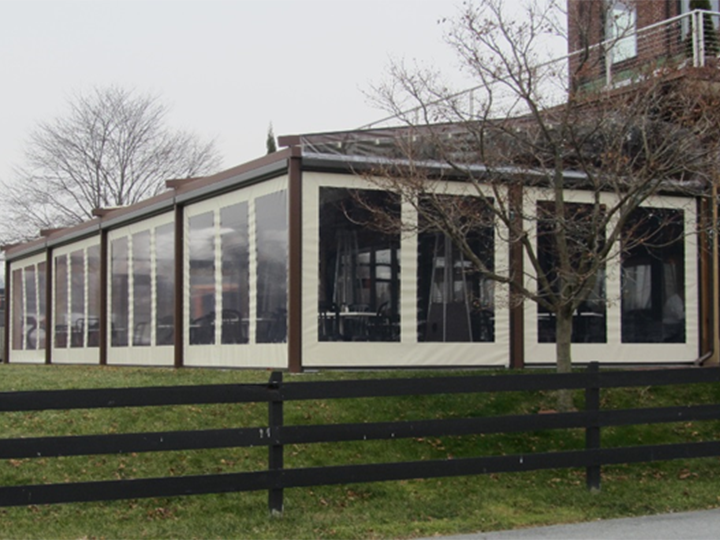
x=112 y=148
x=536 y=124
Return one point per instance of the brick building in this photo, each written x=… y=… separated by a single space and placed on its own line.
x=612 y=42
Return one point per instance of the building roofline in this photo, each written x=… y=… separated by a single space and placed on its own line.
x=182 y=192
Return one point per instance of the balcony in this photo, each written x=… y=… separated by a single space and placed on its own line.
x=665 y=49
x=687 y=45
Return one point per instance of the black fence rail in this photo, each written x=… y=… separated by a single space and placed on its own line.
x=275 y=435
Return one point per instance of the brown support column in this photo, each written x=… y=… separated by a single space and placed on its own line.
x=8 y=304
x=295 y=225
x=105 y=328
x=49 y=325
x=704 y=279
x=517 y=318
x=714 y=289
x=179 y=284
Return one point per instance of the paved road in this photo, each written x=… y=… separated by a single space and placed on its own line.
x=703 y=525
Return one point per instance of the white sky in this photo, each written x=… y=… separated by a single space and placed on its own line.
x=226 y=68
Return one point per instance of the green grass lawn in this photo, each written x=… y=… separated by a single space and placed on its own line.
x=402 y=509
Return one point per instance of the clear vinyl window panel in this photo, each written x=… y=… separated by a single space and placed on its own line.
x=201 y=238
x=31 y=309
x=119 y=292
x=142 y=289
x=165 y=284
x=359 y=266
x=29 y=285
x=92 y=317
x=653 y=277
x=18 y=305
x=62 y=327
x=40 y=338
x=271 y=235
x=455 y=298
x=589 y=323
x=77 y=299
x=235 y=250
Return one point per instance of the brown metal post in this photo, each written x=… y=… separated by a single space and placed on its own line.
x=517 y=316
x=179 y=285
x=295 y=226
x=6 y=333
x=275 y=451
x=592 y=428
x=705 y=279
x=49 y=325
x=105 y=328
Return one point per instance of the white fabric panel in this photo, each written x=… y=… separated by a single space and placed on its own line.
x=614 y=351
x=246 y=355
x=408 y=352
x=18 y=356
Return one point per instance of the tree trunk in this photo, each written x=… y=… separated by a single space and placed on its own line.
x=563 y=355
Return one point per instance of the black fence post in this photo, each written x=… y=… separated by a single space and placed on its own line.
x=592 y=429
x=275 y=451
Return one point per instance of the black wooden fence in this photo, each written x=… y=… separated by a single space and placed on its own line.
x=276 y=435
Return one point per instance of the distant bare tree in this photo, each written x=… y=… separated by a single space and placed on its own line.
x=112 y=148
x=529 y=125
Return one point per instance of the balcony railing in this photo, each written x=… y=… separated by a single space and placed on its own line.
x=690 y=40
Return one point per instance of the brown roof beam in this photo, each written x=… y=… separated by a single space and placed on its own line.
x=177 y=182
x=288 y=140
x=47 y=232
x=102 y=212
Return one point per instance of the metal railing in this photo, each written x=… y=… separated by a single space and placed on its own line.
x=690 y=40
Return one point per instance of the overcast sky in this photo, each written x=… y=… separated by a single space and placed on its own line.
x=226 y=68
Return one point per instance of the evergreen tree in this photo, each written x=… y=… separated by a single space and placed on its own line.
x=270 y=141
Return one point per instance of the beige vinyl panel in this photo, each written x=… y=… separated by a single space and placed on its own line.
x=137 y=334
x=248 y=354
x=408 y=351
x=68 y=354
x=26 y=334
x=614 y=350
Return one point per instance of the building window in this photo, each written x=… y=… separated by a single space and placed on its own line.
x=714 y=6
x=77 y=298
x=359 y=267
x=455 y=302
x=653 y=277
x=40 y=332
x=28 y=307
x=589 y=323
x=165 y=284
x=19 y=322
x=234 y=247
x=92 y=319
x=271 y=235
x=620 y=30
x=119 y=292
x=142 y=289
x=61 y=302
x=201 y=236
x=710 y=24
